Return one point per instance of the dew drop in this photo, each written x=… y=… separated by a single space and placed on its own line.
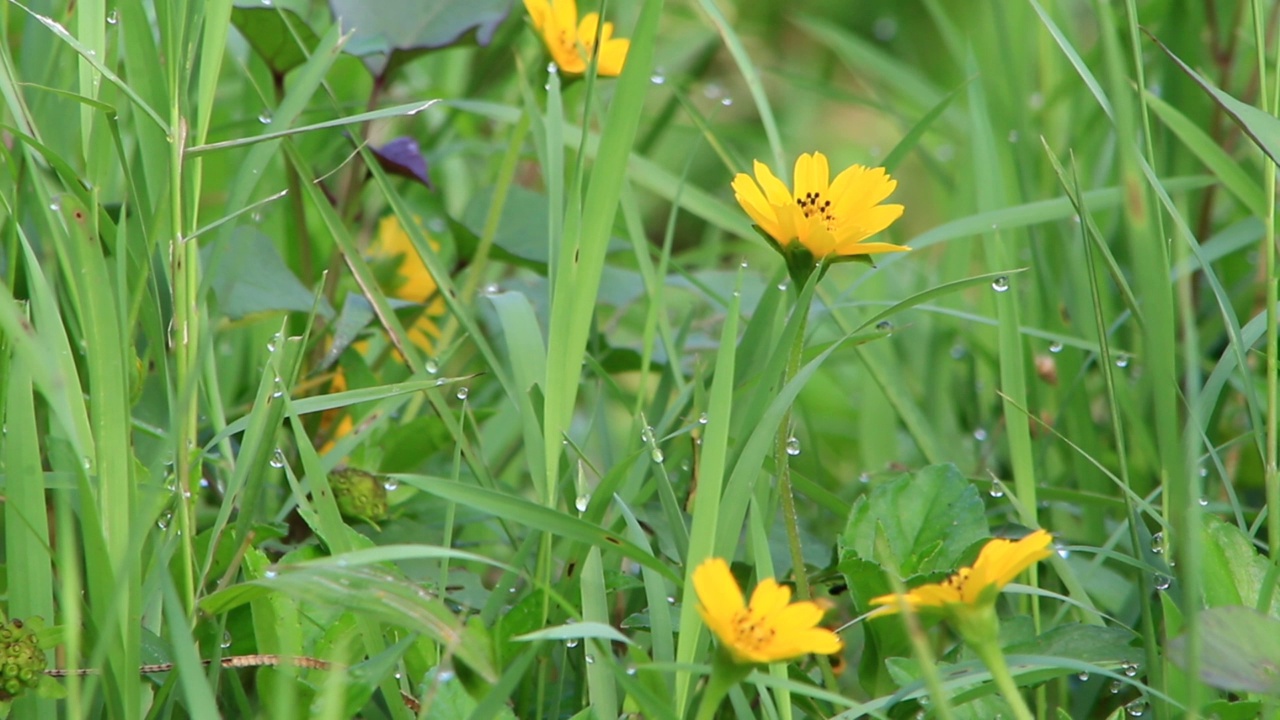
x=864 y=478
x=783 y=285
x=432 y=366
x=266 y=2
x=571 y=643
x=885 y=29
x=1114 y=687
x=391 y=485
x=703 y=419
x=793 y=446
x=56 y=205
x=277 y=458
x=86 y=462
x=1162 y=582
x=1137 y=708
x=726 y=101
x=884 y=326
x=268 y=574
x=463 y=393
x=1129 y=669
x=657 y=455
x=1000 y=284
x=113 y=17
x=997 y=489
x=582 y=501
x=271 y=344
x=1204 y=502
x=657 y=78
x=591 y=659
x=264 y=117
x=492 y=289
x=980 y=434
x=1055 y=347
x=631 y=670
x=1157 y=543
x=163 y=521
x=552 y=68
x=1122 y=361
x=1083 y=676
x=226 y=639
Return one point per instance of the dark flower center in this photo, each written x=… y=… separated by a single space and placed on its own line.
x=812 y=205
x=751 y=630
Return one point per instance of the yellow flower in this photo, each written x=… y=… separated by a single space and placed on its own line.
x=999 y=562
x=827 y=218
x=572 y=43
x=770 y=629
x=416 y=283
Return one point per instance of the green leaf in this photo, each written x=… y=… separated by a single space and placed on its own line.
x=1087 y=643
x=574 y=631
x=930 y=519
x=1260 y=125
x=280 y=36
x=388 y=33
x=1239 y=652
x=249 y=276
x=1233 y=569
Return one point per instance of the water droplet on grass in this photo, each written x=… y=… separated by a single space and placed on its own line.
x=1162 y=582
x=277 y=458
x=1157 y=543
x=793 y=446
x=582 y=502
x=997 y=489
x=113 y=17
x=432 y=367
x=463 y=393
x=1055 y=347
x=391 y=485
x=1000 y=284
x=264 y=117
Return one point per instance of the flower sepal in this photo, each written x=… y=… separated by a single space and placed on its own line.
x=801 y=263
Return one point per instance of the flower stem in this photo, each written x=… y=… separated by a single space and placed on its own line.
x=785 y=493
x=782 y=459
x=993 y=657
x=724 y=675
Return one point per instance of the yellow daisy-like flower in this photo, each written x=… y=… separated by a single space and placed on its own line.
x=572 y=43
x=416 y=283
x=829 y=219
x=770 y=629
x=999 y=562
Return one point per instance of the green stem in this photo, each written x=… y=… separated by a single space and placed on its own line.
x=724 y=675
x=993 y=657
x=783 y=461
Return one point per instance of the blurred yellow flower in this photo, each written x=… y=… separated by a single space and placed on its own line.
x=770 y=629
x=414 y=281
x=572 y=43
x=1000 y=561
x=827 y=218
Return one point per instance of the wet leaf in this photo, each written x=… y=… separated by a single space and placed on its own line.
x=388 y=33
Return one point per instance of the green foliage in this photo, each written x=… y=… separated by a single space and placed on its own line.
x=353 y=363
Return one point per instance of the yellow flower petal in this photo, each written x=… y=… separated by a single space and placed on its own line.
x=572 y=42
x=770 y=629
x=999 y=562
x=613 y=56
x=827 y=218
x=770 y=597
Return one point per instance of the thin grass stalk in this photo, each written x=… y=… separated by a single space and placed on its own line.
x=1271 y=478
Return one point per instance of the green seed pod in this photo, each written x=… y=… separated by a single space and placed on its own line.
x=359 y=495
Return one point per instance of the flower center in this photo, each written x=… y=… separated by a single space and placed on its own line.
x=957 y=581
x=813 y=205
x=751 y=631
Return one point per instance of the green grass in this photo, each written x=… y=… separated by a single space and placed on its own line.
x=1083 y=339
